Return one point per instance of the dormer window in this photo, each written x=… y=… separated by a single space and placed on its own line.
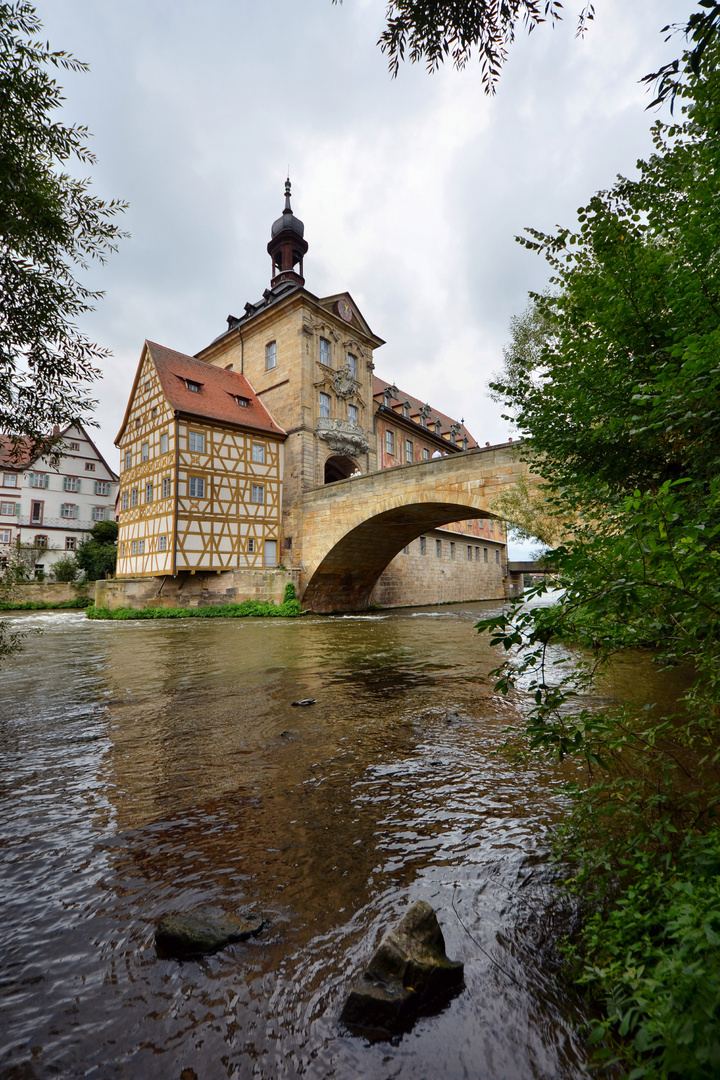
x=438 y=425
x=406 y=408
x=193 y=387
x=243 y=402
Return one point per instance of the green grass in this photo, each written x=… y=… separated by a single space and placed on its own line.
x=45 y=605
x=290 y=609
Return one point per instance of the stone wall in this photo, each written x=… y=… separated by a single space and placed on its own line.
x=414 y=578
x=196 y=590
x=45 y=592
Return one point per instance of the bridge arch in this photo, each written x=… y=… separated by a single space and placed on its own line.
x=346 y=576
x=353 y=528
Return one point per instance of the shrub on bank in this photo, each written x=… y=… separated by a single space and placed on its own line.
x=289 y=609
x=45 y=605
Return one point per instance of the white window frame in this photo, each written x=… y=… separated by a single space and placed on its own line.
x=354 y=414
x=257 y=494
x=389 y=442
x=5 y=536
x=164 y=443
x=128 y=460
x=10 y=480
x=324 y=405
x=196 y=442
x=408 y=452
x=145 y=451
x=133 y=497
x=124 y=500
x=166 y=487
x=149 y=492
x=258 y=453
x=196 y=487
x=162 y=543
x=271 y=355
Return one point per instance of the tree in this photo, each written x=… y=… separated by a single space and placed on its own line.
x=98 y=554
x=432 y=31
x=50 y=227
x=619 y=401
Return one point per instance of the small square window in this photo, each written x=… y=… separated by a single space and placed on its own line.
x=164 y=443
x=196 y=442
x=70 y=543
x=74 y=445
x=196 y=487
x=98 y=513
x=9 y=480
x=89 y=466
x=70 y=483
x=270 y=355
x=7 y=508
x=257 y=493
x=193 y=387
x=258 y=453
x=243 y=402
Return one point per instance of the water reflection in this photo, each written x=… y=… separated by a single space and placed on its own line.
x=153 y=767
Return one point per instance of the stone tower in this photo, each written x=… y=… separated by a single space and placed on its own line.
x=310 y=361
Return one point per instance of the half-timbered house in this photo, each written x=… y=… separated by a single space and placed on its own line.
x=201 y=462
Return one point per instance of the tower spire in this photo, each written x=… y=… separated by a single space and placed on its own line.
x=287 y=245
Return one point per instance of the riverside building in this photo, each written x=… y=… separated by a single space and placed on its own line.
x=319 y=415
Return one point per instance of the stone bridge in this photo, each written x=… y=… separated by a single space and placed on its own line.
x=353 y=528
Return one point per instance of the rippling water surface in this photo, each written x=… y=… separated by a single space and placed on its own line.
x=148 y=768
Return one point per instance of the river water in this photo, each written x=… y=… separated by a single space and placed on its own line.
x=150 y=767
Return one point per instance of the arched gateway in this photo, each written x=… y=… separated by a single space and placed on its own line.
x=353 y=528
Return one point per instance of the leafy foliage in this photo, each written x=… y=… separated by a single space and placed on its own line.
x=621 y=406
x=289 y=609
x=97 y=555
x=65 y=568
x=51 y=226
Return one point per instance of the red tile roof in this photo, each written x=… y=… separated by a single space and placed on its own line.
x=219 y=390
x=416 y=404
x=15 y=453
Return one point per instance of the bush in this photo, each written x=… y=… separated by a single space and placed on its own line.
x=290 y=609
x=65 y=569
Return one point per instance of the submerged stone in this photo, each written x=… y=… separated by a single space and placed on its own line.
x=409 y=972
x=204 y=930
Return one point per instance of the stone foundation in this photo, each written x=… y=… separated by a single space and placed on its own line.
x=195 y=590
x=413 y=579
x=46 y=592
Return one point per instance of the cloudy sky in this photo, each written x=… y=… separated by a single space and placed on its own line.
x=412 y=190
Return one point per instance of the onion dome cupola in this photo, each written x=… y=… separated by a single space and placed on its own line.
x=287 y=245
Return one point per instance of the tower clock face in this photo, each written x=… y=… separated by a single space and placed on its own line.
x=344 y=310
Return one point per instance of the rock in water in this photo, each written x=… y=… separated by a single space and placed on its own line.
x=408 y=972
x=204 y=930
